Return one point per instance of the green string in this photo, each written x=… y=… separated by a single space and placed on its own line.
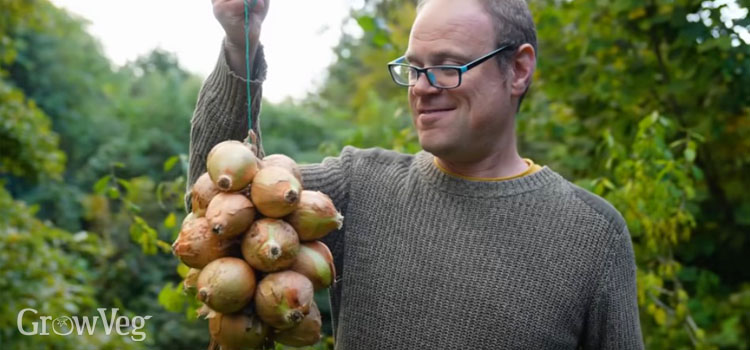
x=247 y=63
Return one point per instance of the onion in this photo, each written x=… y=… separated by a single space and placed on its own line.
x=282 y=161
x=226 y=285
x=305 y=333
x=231 y=165
x=270 y=245
x=283 y=299
x=315 y=216
x=230 y=214
x=201 y=194
x=315 y=262
x=197 y=246
x=237 y=331
x=275 y=192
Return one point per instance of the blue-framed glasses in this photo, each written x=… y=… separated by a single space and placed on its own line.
x=442 y=77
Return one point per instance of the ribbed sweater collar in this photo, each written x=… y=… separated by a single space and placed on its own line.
x=482 y=189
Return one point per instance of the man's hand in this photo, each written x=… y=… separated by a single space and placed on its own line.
x=231 y=16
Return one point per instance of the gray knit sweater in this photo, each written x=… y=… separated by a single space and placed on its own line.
x=429 y=261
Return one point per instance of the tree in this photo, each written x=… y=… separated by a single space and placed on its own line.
x=648 y=101
x=42 y=267
x=58 y=94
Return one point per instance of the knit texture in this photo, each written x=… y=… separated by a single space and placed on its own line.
x=426 y=260
x=221 y=111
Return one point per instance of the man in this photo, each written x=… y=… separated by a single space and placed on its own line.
x=465 y=245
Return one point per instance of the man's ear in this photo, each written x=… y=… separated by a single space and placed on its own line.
x=523 y=66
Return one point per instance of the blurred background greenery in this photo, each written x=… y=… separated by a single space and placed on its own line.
x=646 y=103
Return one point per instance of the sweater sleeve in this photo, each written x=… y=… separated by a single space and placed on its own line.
x=613 y=321
x=221 y=113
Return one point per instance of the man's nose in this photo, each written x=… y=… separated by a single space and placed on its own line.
x=423 y=86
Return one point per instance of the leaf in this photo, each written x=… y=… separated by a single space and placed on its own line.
x=170 y=163
x=690 y=155
x=143 y=234
x=367 y=23
x=171 y=297
x=677 y=143
x=126 y=184
x=380 y=39
x=132 y=207
x=165 y=247
x=101 y=185
x=113 y=193
x=690 y=151
x=170 y=221
x=159 y=194
x=135 y=229
x=697 y=173
x=182 y=270
x=636 y=13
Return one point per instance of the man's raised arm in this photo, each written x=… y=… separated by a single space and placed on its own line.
x=221 y=111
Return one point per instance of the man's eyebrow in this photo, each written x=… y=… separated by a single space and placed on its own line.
x=437 y=56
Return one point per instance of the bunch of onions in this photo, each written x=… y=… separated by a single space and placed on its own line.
x=251 y=242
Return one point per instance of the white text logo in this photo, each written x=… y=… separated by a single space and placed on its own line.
x=67 y=325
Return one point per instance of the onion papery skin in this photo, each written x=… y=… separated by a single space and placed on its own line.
x=197 y=245
x=230 y=214
x=231 y=165
x=283 y=299
x=305 y=333
x=201 y=194
x=275 y=192
x=315 y=216
x=282 y=161
x=270 y=245
x=226 y=285
x=190 y=284
x=237 y=331
x=315 y=262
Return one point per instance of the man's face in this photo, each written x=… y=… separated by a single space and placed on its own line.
x=464 y=123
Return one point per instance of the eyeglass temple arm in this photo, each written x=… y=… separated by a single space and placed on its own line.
x=483 y=58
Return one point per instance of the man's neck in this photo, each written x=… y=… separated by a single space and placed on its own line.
x=487 y=168
x=503 y=162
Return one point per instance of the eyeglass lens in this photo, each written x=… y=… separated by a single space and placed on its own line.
x=439 y=76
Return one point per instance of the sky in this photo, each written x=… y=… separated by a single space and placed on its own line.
x=298 y=36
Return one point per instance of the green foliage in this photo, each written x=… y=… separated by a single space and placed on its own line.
x=29 y=146
x=359 y=95
x=649 y=101
x=48 y=50
x=50 y=270
x=652 y=184
x=58 y=90
x=295 y=130
x=41 y=266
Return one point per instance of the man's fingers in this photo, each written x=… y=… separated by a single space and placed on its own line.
x=237 y=7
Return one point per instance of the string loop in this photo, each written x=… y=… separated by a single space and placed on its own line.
x=248 y=10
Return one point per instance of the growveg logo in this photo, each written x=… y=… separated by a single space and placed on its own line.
x=75 y=325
